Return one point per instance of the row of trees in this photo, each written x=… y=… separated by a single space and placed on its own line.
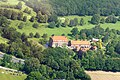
x=11 y=14
x=96 y=19
x=67 y=22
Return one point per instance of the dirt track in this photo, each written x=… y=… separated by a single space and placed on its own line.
x=101 y=75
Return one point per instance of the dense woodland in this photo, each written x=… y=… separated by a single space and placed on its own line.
x=86 y=7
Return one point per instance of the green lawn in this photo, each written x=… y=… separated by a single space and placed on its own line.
x=5 y=75
x=58 y=31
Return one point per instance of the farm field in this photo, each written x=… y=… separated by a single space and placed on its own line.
x=101 y=75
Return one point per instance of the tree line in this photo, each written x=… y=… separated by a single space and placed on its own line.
x=12 y=14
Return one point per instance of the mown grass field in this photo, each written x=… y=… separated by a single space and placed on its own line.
x=101 y=75
x=4 y=75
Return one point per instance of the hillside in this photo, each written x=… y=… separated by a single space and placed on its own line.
x=42 y=29
x=59 y=39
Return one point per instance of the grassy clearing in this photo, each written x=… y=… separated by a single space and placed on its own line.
x=4 y=75
x=43 y=28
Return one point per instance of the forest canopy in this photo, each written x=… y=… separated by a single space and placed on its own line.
x=86 y=7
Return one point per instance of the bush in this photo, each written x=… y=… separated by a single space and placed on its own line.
x=37 y=35
x=25 y=18
x=35 y=25
x=45 y=36
x=32 y=19
x=52 y=25
x=20 y=26
x=111 y=19
x=31 y=35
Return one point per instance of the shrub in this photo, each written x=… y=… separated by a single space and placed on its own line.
x=35 y=25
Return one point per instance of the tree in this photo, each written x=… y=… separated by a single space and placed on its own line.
x=58 y=24
x=111 y=19
x=72 y=23
x=35 y=25
x=45 y=36
x=3 y=47
x=19 y=5
x=4 y=22
x=42 y=18
x=14 y=15
x=21 y=25
x=117 y=48
x=7 y=13
x=20 y=16
x=82 y=22
x=34 y=76
x=25 y=18
x=32 y=19
x=31 y=35
x=24 y=37
x=119 y=18
x=37 y=35
x=66 y=23
x=26 y=10
x=6 y=60
x=95 y=19
x=74 y=31
x=83 y=36
x=31 y=64
x=52 y=25
x=76 y=21
x=102 y=21
x=53 y=18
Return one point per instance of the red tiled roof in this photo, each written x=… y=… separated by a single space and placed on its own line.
x=59 y=38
